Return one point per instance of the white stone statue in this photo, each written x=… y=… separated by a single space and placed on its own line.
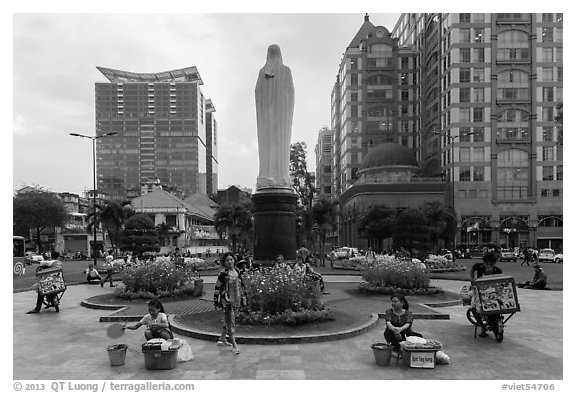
x=274 y=110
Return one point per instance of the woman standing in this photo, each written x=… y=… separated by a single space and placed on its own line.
x=398 y=322
x=227 y=297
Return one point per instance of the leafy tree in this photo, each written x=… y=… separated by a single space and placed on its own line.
x=441 y=220
x=304 y=224
x=37 y=210
x=139 y=235
x=112 y=217
x=411 y=230
x=377 y=224
x=236 y=221
x=302 y=180
x=325 y=214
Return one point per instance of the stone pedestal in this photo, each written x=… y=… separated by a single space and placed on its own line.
x=274 y=224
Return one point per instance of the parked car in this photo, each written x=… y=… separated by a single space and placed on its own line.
x=508 y=255
x=546 y=255
x=559 y=258
x=345 y=252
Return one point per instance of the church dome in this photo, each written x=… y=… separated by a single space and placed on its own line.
x=389 y=155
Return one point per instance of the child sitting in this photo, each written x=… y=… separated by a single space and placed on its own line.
x=156 y=322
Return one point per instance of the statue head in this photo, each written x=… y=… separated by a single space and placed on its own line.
x=273 y=59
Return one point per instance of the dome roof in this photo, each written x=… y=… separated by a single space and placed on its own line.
x=389 y=154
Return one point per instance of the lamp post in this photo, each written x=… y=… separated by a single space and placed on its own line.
x=93 y=138
x=452 y=138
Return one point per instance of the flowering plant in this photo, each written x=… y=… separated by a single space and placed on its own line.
x=438 y=264
x=273 y=290
x=157 y=277
x=386 y=271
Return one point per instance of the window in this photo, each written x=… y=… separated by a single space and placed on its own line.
x=464 y=35
x=404 y=78
x=465 y=55
x=354 y=64
x=478 y=134
x=547 y=54
x=547 y=153
x=478 y=154
x=464 y=18
x=555 y=192
x=327 y=189
x=478 y=173
x=465 y=115
x=404 y=63
x=464 y=174
x=478 y=55
x=559 y=153
x=465 y=94
x=354 y=79
x=512 y=174
x=547 y=34
x=464 y=75
x=404 y=96
x=548 y=113
x=478 y=95
x=354 y=97
x=478 y=18
x=354 y=110
x=378 y=111
x=478 y=35
x=478 y=115
x=559 y=172
x=544 y=193
x=547 y=173
x=559 y=17
x=327 y=169
x=478 y=74
x=548 y=74
x=465 y=154
x=464 y=134
x=547 y=17
x=560 y=74
x=548 y=94
x=548 y=134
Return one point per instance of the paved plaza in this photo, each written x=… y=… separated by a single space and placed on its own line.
x=72 y=345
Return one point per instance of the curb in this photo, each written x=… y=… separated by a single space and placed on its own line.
x=271 y=340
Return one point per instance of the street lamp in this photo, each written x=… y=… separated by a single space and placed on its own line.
x=452 y=138
x=93 y=138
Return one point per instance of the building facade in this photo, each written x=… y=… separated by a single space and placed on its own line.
x=324 y=154
x=491 y=84
x=476 y=97
x=161 y=124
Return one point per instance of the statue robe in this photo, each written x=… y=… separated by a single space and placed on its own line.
x=274 y=111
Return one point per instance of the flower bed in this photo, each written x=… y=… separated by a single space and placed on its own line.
x=440 y=264
x=281 y=294
x=387 y=275
x=157 y=279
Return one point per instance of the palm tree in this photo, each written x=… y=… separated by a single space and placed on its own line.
x=234 y=220
x=111 y=217
x=441 y=219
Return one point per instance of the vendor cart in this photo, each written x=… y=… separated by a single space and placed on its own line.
x=495 y=296
x=51 y=285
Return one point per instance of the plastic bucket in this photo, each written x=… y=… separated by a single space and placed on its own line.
x=117 y=354
x=382 y=353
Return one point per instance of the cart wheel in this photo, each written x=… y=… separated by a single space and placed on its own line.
x=499 y=333
x=471 y=318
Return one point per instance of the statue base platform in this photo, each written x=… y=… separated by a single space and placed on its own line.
x=274 y=224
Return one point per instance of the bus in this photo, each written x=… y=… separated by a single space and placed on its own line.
x=18 y=248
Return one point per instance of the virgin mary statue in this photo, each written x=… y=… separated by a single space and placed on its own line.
x=274 y=110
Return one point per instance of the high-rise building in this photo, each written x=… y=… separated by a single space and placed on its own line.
x=476 y=96
x=374 y=101
x=162 y=125
x=323 y=152
x=491 y=84
x=211 y=150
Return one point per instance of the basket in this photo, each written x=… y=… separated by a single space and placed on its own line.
x=159 y=359
x=117 y=354
x=382 y=353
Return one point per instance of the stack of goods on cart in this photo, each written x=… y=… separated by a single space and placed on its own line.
x=51 y=282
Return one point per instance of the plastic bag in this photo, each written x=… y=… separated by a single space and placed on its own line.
x=184 y=352
x=442 y=358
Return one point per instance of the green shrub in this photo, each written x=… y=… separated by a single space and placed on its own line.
x=397 y=273
x=273 y=290
x=157 y=278
x=440 y=264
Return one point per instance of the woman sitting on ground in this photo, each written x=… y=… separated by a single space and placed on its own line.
x=398 y=322
x=538 y=281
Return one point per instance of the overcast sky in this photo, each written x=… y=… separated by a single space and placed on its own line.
x=55 y=59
